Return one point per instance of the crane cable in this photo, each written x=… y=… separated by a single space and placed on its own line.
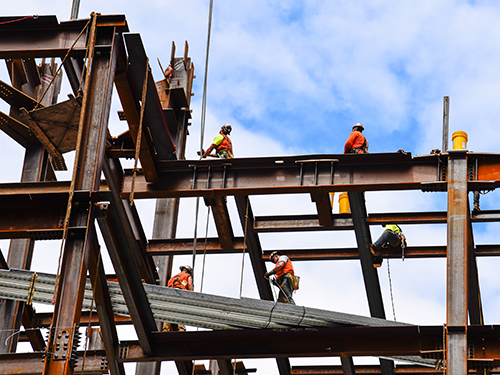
x=203 y=116
x=202 y=134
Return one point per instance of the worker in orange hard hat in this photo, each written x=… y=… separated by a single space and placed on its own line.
x=356 y=143
x=286 y=280
x=222 y=144
x=183 y=280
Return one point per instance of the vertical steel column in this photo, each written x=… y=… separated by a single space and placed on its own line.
x=370 y=276
x=259 y=268
x=457 y=285
x=95 y=115
x=21 y=250
x=446 y=122
x=165 y=227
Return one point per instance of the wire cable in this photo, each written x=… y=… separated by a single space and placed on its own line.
x=244 y=246
x=205 y=79
x=390 y=288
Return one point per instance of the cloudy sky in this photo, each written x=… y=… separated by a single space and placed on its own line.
x=292 y=77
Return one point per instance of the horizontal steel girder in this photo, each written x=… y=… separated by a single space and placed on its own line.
x=311 y=342
x=31 y=363
x=371 y=370
x=44 y=36
x=180 y=246
x=291 y=174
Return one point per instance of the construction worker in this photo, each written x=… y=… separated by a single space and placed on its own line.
x=284 y=276
x=356 y=143
x=391 y=237
x=183 y=280
x=169 y=72
x=221 y=144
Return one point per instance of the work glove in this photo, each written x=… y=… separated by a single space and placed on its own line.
x=266 y=276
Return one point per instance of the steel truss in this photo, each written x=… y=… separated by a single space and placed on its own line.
x=36 y=209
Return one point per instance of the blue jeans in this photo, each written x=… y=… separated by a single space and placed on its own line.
x=388 y=237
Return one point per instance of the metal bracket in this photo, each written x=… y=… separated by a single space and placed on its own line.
x=62 y=341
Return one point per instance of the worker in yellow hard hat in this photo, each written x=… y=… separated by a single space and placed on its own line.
x=392 y=236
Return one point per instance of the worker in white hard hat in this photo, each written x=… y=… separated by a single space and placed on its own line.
x=221 y=144
x=183 y=280
x=284 y=276
x=356 y=143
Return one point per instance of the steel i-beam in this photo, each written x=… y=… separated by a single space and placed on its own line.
x=457 y=261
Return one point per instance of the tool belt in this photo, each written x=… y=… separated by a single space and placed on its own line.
x=225 y=154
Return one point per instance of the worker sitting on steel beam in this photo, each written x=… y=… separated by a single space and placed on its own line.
x=222 y=144
x=183 y=280
x=286 y=280
x=391 y=237
x=356 y=143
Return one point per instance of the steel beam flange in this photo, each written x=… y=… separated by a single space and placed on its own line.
x=436 y=186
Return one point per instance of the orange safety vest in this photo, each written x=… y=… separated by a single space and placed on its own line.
x=179 y=281
x=287 y=268
x=225 y=144
x=356 y=144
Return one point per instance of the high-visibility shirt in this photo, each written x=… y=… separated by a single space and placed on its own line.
x=179 y=281
x=288 y=268
x=223 y=142
x=356 y=141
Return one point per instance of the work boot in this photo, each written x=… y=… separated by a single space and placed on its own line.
x=377 y=261
x=167 y=327
x=476 y=208
x=372 y=249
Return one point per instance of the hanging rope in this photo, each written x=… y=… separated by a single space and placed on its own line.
x=390 y=288
x=205 y=250
x=90 y=51
x=139 y=131
x=244 y=246
x=19 y=19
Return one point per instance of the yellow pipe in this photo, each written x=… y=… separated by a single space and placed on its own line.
x=459 y=140
x=344 y=204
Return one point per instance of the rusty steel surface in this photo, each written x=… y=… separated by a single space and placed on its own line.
x=45 y=36
x=31 y=363
x=284 y=175
x=317 y=342
x=457 y=261
x=94 y=121
x=184 y=246
x=373 y=370
x=35 y=209
x=296 y=342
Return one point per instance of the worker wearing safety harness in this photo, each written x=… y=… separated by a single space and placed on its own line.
x=183 y=280
x=284 y=276
x=356 y=143
x=391 y=237
x=221 y=144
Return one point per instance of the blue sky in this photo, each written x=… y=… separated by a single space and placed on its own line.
x=292 y=77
